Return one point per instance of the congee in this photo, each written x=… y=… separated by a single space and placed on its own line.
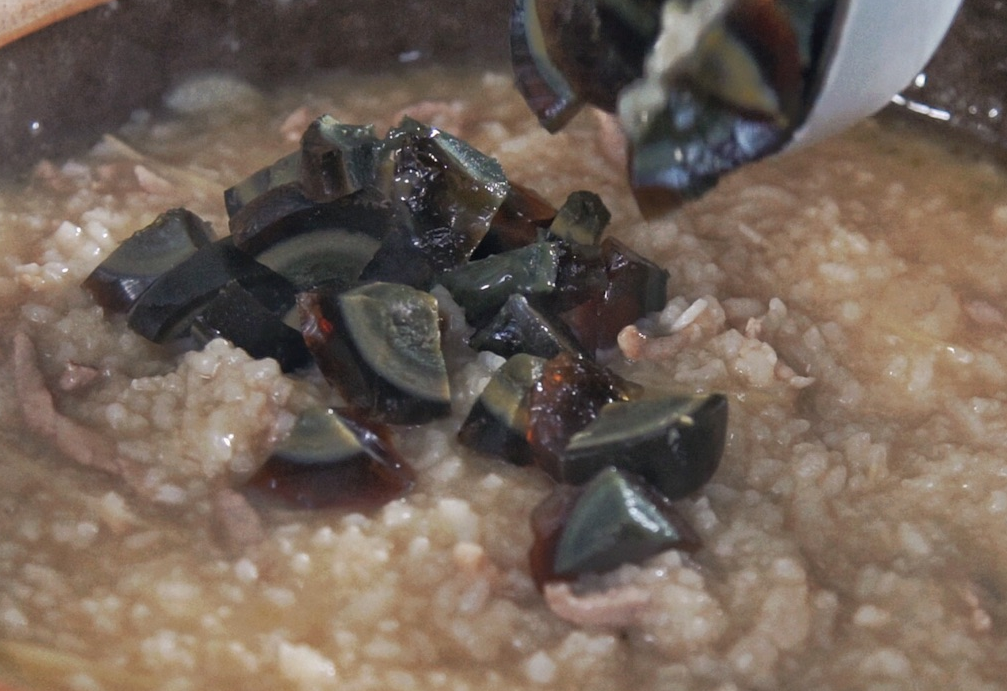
x=848 y=300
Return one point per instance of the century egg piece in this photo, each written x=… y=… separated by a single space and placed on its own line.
x=166 y=310
x=569 y=52
x=521 y=327
x=129 y=270
x=238 y=316
x=282 y=172
x=334 y=160
x=547 y=521
x=334 y=461
x=568 y=396
x=581 y=276
x=735 y=98
x=582 y=218
x=519 y=221
x=615 y=519
x=309 y=242
x=498 y=422
x=482 y=287
x=337 y=159
x=399 y=260
x=674 y=442
x=380 y=346
x=633 y=287
x=443 y=190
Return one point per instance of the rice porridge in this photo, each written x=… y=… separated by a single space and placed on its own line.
x=849 y=300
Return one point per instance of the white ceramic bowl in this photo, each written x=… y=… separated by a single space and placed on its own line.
x=875 y=51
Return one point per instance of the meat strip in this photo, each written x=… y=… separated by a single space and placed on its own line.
x=237 y=522
x=80 y=444
x=613 y=608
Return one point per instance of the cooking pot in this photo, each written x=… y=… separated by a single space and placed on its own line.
x=65 y=85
